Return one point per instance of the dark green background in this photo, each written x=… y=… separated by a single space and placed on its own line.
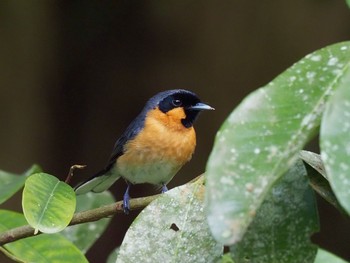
x=73 y=74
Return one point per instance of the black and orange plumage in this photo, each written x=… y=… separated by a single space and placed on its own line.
x=154 y=147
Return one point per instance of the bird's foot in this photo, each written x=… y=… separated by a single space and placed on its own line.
x=126 y=201
x=164 y=188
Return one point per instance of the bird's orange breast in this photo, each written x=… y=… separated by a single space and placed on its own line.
x=163 y=140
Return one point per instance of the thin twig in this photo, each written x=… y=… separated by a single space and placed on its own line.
x=71 y=171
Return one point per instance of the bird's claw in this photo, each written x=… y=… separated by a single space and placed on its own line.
x=164 y=189
x=126 y=201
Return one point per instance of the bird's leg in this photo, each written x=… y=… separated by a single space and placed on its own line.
x=126 y=200
x=164 y=188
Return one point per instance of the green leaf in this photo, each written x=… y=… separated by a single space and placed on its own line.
x=317 y=178
x=48 y=204
x=85 y=235
x=10 y=183
x=335 y=141
x=283 y=225
x=172 y=228
x=112 y=258
x=262 y=137
x=348 y=3
x=53 y=248
x=314 y=160
x=226 y=258
x=324 y=256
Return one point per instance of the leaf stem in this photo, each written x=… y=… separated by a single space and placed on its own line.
x=71 y=171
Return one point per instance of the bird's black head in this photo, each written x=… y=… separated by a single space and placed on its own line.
x=182 y=104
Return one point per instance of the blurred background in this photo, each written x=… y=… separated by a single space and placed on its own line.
x=73 y=74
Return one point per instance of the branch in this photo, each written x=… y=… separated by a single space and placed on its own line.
x=79 y=218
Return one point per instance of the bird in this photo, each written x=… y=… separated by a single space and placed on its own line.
x=155 y=145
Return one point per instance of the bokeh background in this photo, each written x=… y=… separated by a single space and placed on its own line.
x=73 y=74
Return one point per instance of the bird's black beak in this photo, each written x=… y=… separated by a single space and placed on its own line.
x=200 y=106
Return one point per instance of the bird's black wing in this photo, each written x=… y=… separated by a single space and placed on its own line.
x=106 y=177
x=133 y=129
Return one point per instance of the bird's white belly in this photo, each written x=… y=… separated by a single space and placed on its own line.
x=153 y=173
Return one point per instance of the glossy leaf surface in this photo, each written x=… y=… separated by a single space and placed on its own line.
x=335 y=141
x=283 y=225
x=53 y=248
x=173 y=228
x=260 y=140
x=48 y=204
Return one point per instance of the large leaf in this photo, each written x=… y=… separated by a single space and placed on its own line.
x=48 y=204
x=335 y=141
x=85 y=235
x=53 y=248
x=172 y=228
x=261 y=138
x=283 y=225
x=112 y=258
x=324 y=256
x=10 y=183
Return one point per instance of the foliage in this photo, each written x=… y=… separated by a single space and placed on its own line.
x=11 y=183
x=260 y=141
x=43 y=248
x=175 y=226
x=282 y=225
x=258 y=197
x=85 y=235
x=48 y=204
x=326 y=257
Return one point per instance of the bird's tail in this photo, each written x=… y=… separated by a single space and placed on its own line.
x=98 y=182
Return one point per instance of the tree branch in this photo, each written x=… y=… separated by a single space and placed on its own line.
x=84 y=216
x=79 y=218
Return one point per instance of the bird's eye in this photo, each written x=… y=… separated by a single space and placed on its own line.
x=177 y=103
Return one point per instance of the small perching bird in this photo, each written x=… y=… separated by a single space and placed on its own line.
x=154 y=146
